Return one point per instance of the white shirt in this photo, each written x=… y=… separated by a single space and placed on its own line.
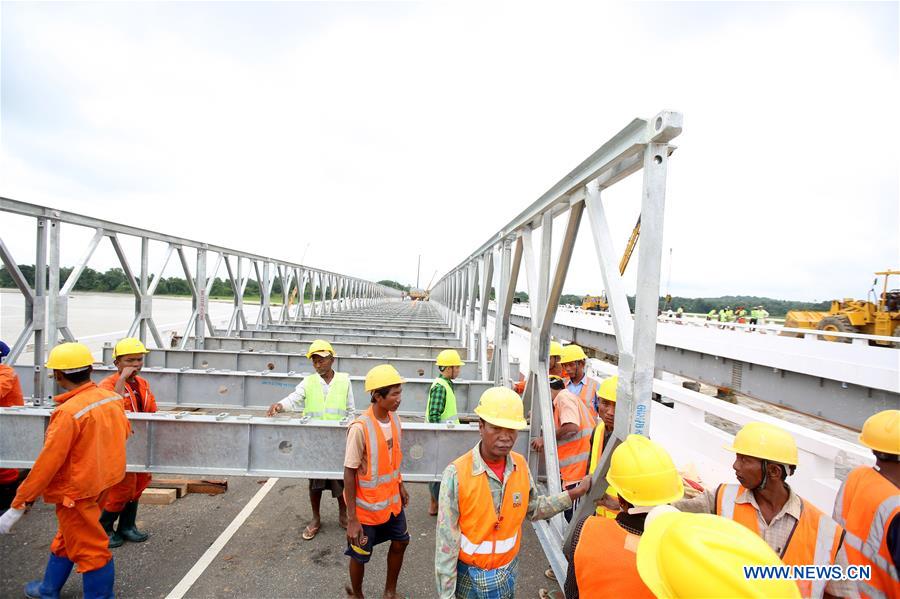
x=296 y=401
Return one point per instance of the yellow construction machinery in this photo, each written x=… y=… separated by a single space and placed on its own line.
x=855 y=316
x=598 y=302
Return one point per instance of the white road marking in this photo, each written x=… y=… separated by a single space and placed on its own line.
x=206 y=559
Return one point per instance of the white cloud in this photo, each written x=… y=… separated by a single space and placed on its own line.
x=378 y=133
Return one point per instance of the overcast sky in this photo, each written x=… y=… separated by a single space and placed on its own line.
x=376 y=132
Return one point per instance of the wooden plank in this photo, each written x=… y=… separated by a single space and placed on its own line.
x=210 y=487
x=158 y=496
x=180 y=486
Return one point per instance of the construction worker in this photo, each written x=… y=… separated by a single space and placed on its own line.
x=121 y=501
x=643 y=475
x=556 y=369
x=868 y=507
x=486 y=494
x=679 y=314
x=373 y=488
x=766 y=504
x=83 y=455
x=441 y=405
x=712 y=315
x=683 y=556
x=574 y=360
x=325 y=395
x=574 y=424
x=10 y=395
x=608 y=505
x=723 y=317
x=761 y=318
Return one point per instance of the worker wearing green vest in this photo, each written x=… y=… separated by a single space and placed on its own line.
x=441 y=406
x=325 y=395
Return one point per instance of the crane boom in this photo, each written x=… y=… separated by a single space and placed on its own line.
x=629 y=248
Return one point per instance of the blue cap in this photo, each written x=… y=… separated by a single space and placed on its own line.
x=4 y=350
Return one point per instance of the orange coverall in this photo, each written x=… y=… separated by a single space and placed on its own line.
x=134 y=483
x=83 y=455
x=10 y=395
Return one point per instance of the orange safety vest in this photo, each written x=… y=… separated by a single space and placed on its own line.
x=865 y=507
x=84 y=449
x=488 y=542
x=10 y=395
x=575 y=451
x=378 y=490
x=145 y=403
x=605 y=566
x=815 y=540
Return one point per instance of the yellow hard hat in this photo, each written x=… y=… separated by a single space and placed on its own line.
x=881 y=432
x=607 y=389
x=69 y=357
x=703 y=555
x=383 y=375
x=572 y=353
x=556 y=349
x=766 y=442
x=501 y=406
x=128 y=346
x=642 y=473
x=319 y=345
x=449 y=357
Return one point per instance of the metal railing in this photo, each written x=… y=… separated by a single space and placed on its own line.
x=46 y=303
x=643 y=145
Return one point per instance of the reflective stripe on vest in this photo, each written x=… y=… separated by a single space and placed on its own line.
x=330 y=407
x=378 y=490
x=815 y=539
x=866 y=504
x=489 y=540
x=574 y=452
x=487 y=547
x=449 y=413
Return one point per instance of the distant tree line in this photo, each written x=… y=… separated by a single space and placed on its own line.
x=114 y=280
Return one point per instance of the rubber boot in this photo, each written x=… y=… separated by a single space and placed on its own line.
x=98 y=584
x=127 y=529
x=55 y=576
x=108 y=521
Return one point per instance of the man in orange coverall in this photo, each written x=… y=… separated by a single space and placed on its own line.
x=10 y=395
x=121 y=501
x=83 y=455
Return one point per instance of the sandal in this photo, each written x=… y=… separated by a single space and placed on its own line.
x=310 y=533
x=547 y=594
x=550 y=574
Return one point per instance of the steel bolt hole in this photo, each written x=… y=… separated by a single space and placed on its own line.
x=657 y=159
x=285 y=447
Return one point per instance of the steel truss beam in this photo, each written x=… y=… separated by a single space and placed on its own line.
x=244 y=445
x=642 y=145
x=410 y=367
x=48 y=303
x=355 y=346
x=190 y=388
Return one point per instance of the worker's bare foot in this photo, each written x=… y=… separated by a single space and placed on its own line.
x=350 y=593
x=391 y=595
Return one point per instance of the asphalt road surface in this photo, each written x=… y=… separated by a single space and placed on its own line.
x=266 y=557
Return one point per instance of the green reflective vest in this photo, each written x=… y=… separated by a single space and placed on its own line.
x=449 y=413
x=330 y=407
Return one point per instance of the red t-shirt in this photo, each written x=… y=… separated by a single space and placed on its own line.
x=497 y=467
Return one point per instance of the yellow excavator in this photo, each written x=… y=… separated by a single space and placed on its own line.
x=855 y=316
x=598 y=303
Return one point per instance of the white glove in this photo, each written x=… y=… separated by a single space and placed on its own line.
x=9 y=519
